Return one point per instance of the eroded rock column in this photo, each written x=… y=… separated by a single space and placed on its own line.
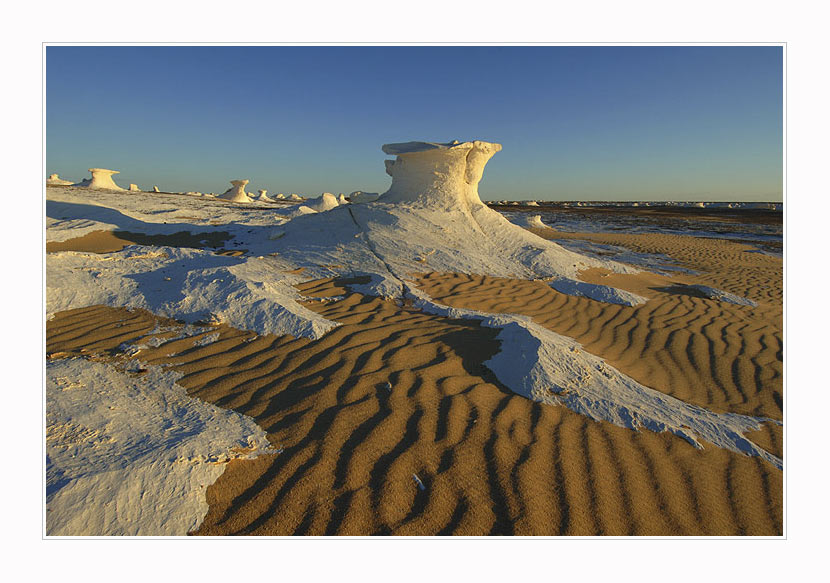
x=437 y=175
x=102 y=179
x=237 y=192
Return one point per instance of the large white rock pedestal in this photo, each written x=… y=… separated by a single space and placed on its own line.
x=437 y=175
x=434 y=197
x=237 y=192
x=102 y=179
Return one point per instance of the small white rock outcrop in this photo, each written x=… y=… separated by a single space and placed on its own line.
x=325 y=202
x=360 y=197
x=156 y=189
x=237 y=192
x=55 y=180
x=532 y=222
x=263 y=194
x=135 y=188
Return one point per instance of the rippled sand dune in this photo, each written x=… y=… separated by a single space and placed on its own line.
x=490 y=461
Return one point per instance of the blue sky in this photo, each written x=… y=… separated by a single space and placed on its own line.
x=591 y=123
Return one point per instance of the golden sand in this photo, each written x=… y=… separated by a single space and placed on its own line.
x=490 y=461
x=112 y=241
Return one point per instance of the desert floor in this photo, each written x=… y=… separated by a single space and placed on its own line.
x=490 y=462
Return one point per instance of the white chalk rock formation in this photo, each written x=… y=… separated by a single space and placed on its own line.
x=55 y=180
x=280 y=196
x=263 y=194
x=325 y=202
x=341 y=198
x=101 y=180
x=360 y=197
x=531 y=222
x=295 y=197
x=237 y=192
x=437 y=175
x=135 y=188
x=156 y=189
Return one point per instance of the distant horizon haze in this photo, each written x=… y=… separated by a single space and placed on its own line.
x=615 y=123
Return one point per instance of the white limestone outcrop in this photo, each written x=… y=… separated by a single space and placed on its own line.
x=55 y=180
x=101 y=180
x=531 y=222
x=134 y=188
x=437 y=175
x=360 y=197
x=325 y=202
x=237 y=192
x=263 y=194
x=156 y=189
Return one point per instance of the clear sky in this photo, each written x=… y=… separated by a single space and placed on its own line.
x=590 y=123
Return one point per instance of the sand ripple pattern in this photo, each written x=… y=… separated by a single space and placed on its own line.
x=491 y=462
x=721 y=356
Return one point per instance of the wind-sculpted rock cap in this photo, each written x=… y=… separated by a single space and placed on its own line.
x=415 y=147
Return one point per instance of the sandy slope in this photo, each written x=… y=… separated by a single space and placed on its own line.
x=492 y=462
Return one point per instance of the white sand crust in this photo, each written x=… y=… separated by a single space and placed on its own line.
x=596 y=292
x=133 y=455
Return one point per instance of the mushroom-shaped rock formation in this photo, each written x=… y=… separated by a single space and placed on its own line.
x=437 y=175
x=55 y=180
x=263 y=194
x=101 y=180
x=135 y=188
x=237 y=192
